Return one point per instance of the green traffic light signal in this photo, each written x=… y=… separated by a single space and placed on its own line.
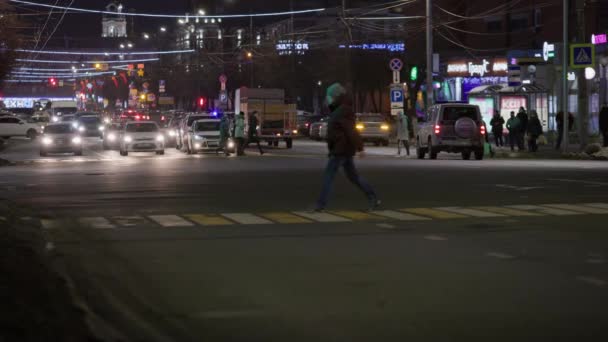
x=414 y=73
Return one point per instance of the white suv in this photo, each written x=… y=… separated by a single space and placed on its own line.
x=450 y=127
x=12 y=126
x=142 y=136
x=204 y=135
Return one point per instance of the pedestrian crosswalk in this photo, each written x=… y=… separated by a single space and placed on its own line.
x=337 y=216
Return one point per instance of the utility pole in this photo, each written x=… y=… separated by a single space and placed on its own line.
x=348 y=52
x=429 y=54
x=565 y=91
x=583 y=98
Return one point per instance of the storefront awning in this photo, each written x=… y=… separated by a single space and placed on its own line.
x=524 y=89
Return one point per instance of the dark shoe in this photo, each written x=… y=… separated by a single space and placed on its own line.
x=374 y=204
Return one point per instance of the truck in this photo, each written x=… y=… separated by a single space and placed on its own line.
x=277 y=119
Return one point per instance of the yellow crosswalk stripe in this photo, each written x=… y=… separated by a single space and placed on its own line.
x=356 y=215
x=433 y=213
x=209 y=219
x=281 y=217
x=509 y=211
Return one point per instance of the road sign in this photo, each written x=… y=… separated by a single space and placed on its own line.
x=582 y=55
x=161 y=86
x=396 y=76
x=223 y=97
x=397 y=96
x=395 y=64
x=514 y=76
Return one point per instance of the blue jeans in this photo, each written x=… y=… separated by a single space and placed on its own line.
x=333 y=165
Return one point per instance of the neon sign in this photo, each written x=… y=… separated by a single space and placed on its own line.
x=598 y=39
x=495 y=67
x=288 y=47
x=392 y=47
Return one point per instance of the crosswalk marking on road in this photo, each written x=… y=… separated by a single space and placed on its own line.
x=321 y=216
x=544 y=210
x=400 y=216
x=209 y=220
x=433 y=213
x=338 y=216
x=245 y=218
x=581 y=208
x=170 y=221
x=279 y=217
x=97 y=222
x=470 y=212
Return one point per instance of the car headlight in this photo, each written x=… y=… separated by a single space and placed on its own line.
x=55 y=119
x=75 y=124
x=231 y=144
x=101 y=128
x=47 y=141
x=81 y=129
x=106 y=120
x=76 y=140
x=160 y=138
x=295 y=131
x=197 y=146
x=360 y=126
x=384 y=127
x=198 y=137
x=112 y=137
x=128 y=139
x=172 y=133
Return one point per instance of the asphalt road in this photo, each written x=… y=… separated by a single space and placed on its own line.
x=191 y=248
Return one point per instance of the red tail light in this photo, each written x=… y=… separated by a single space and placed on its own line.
x=306 y=125
x=437 y=129
x=483 y=130
x=137 y=117
x=162 y=118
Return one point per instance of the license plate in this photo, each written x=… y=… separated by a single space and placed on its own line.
x=144 y=146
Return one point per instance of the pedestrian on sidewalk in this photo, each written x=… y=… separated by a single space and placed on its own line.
x=224 y=135
x=403 y=133
x=343 y=142
x=604 y=123
x=253 y=131
x=239 y=133
x=497 y=124
x=514 y=127
x=535 y=129
x=522 y=115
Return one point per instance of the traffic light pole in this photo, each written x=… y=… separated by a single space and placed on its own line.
x=429 y=54
x=565 y=92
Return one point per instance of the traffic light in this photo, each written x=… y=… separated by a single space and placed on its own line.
x=201 y=102
x=414 y=73
x=52 y=82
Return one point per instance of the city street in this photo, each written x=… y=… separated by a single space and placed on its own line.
x=203 y=247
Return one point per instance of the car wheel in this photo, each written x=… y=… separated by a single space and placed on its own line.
x=78 y=153
x=384 y=142
x=43 y=154
x=275 y=143
x=479 y=154
x=289 y=143
x=420 y=151
x=31 y=134
x=160 y=153
x=124 y=153
x=432 y=151
x=466 y=155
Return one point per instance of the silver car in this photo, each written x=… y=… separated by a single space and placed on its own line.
x=373 y=128
x=60 y=138
x=450 y=127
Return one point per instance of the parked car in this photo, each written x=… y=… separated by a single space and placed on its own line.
x=450 y=127
x=142 y=136
x=315 y=128
x=60 y=138
x=111 y=136
x=12 y=126
x=373 y=128
x=205 y=136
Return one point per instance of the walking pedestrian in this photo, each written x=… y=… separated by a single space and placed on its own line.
x=497 y=124
x=343 y=142
x=224 y=135
x=403 y=133
x=535 y=129
x=513 y=125
x=604 y=123
x=253 y=131
x=239 y=133
x=522 y=115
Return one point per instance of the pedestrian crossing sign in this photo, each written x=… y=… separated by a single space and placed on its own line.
x=582 y=55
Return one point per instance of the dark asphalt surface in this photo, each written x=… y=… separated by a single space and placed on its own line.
x=537 y=278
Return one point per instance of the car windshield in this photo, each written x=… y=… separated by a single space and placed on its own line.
x=65 y=110
x=114 y=127
x=142 y=127
x=371 y=118
x=59 y=129
x=89 y=120
x=67 y=118
x=198 y=117
x=208 y=126
x=455 y=113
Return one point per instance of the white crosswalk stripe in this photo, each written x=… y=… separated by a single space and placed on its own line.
x=170 y=221
x=245 y=218
x=396 y=215
x=579 y=208
x=597 y=205
x=321 y=217
x=544 y=210
x=97 y=222
x=470 y=212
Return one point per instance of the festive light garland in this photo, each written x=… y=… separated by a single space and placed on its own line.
x=84 y=10
x=65 y=76
x=87 y=62
x=50 y=52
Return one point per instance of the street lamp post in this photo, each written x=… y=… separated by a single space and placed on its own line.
x=429 y=54
x=565 y=92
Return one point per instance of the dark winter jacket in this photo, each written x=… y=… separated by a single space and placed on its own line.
x=342 y=137
x=534 y=127
x=604 y=119
x=523 y=120
x=497 y=123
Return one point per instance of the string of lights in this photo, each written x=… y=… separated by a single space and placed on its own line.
x=152 y=15
x=122 y=53
x=88 y=74
x=85 y=62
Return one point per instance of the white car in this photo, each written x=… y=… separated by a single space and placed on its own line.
x=204 y=135
x=60 y=138
x=11 y=126
x=142 y=136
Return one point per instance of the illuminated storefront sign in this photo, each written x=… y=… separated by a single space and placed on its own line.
x=28 y=102
x=598 y=39
x=512 y=103
x=288 y=47
x=392 y=47
x=466 y=68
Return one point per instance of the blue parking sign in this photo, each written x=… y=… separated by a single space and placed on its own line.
x=396 y=95
x=582 y=55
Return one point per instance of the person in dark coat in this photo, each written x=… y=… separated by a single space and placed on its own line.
x=224 y=135
x=343 y=142
x=522 y=115
x=604 y=123
x=513 y=125
x=497 y=124
x=535 y=129
x=253 y=131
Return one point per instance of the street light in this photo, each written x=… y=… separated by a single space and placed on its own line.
x=146 y=36
x=201 y=12
x=122 y=46
x=249 y=54
x=163 y=29
x=130 y=45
